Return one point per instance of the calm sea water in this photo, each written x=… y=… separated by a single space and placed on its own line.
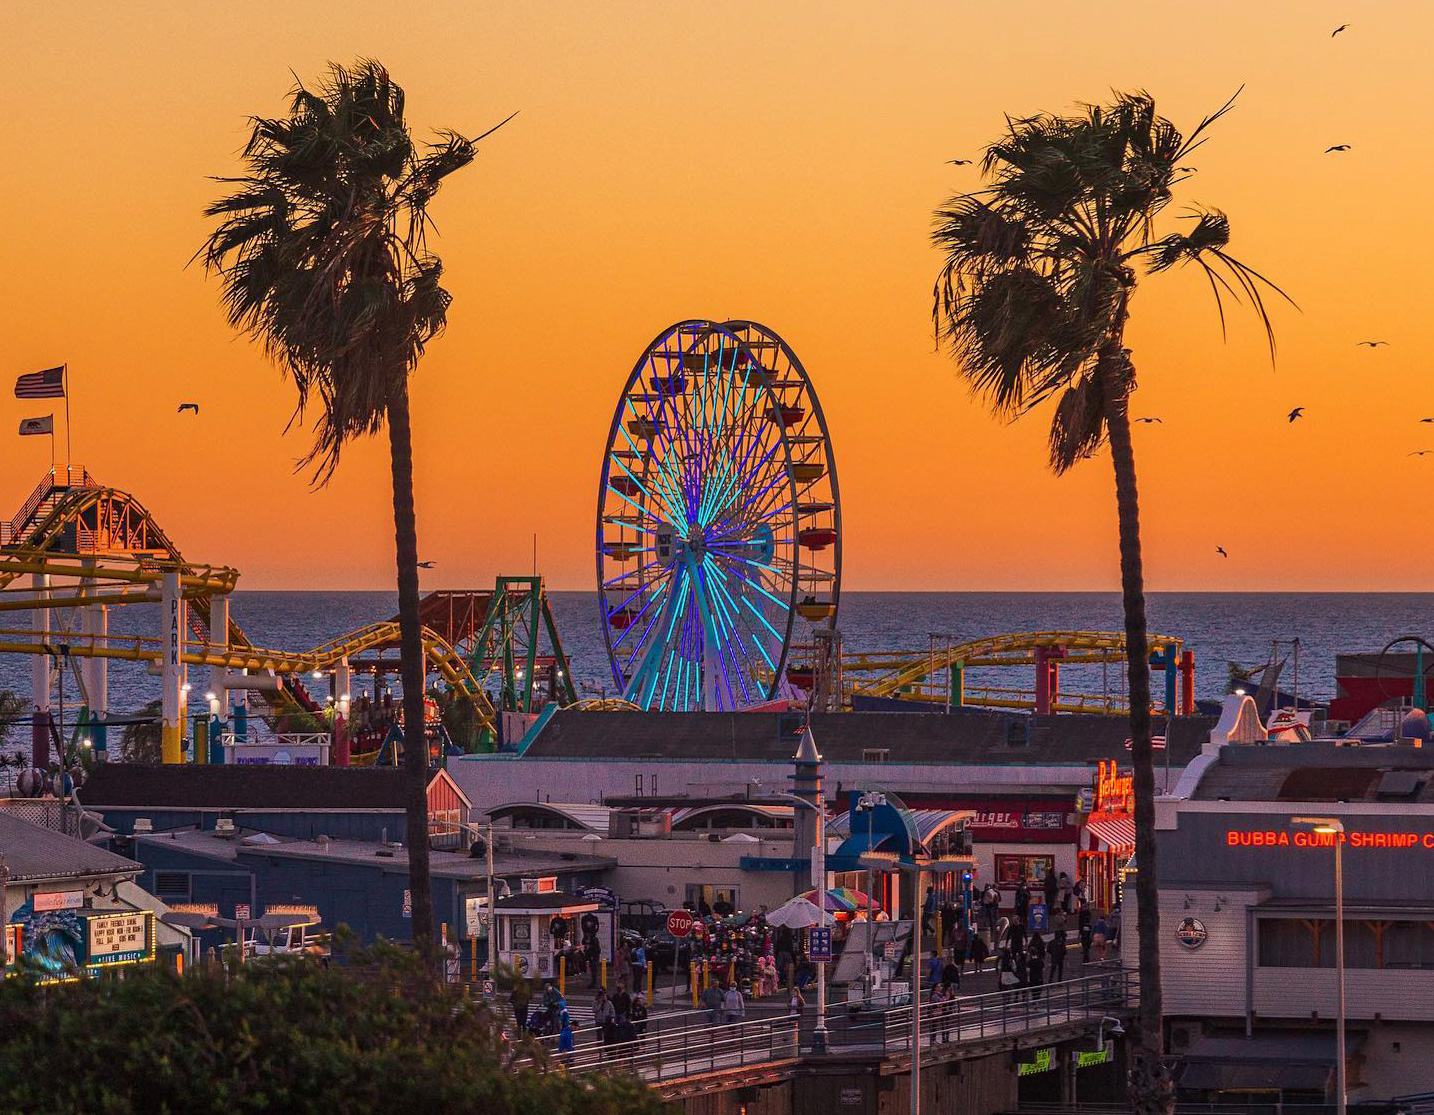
x=1218 y=627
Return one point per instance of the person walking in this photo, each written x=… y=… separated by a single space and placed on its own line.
x=604 y=1018
x=1036 y=964
x=1056 y=956
x=593 y=951
x=991 y=910
x=639 y=966
x=734 y=1007
x=622 y=1000
x=951 y=976
x=1006 y=974
x=565 y=1039
x=1051 y=888
x=1100 y=933
x=638 y=1015
x=711 y=1001
x=1086 y=934
x=1023 y=901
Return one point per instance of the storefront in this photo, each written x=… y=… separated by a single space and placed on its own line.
x=1108 y=837
x=1020 y=841
x=68 y=942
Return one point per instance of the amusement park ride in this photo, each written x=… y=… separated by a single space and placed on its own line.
x=719 y=557
x=77 y=549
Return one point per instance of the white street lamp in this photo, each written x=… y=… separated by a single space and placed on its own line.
x=819 y=876
x=1334 y=827
x=868 y=803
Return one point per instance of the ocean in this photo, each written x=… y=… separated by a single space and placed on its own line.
x=1218 y=627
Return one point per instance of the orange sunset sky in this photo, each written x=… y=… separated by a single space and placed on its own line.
x=778 y=161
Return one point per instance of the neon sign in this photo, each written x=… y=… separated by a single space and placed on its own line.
x=1114 y=792
x=1276 y=838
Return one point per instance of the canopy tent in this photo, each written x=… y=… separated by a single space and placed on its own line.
x=796 y=913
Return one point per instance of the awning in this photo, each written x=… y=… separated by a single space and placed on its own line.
x=1113 y=833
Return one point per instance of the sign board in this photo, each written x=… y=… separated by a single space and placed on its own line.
x=1042 y=1060
x=489 y=987
x=851 y=1097
x=408 y=903
x=819 y=944
x=1191 y=933
x=475 y=915
x=1114 y=792
x=242 y=912
x=119 y=937
x=13 y=941
x=1089 y=1058
x=1038 y=917
x=547 y=884
x=679 y=923
x=520 y=934
x=58 y=900
x=888 y=950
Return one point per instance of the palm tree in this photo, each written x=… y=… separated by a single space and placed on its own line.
x=322 y=250
x=1032 y=300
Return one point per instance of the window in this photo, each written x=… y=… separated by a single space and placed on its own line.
x=1309 y=943
x=1012 y=870
x=171 y=884
x=876 y=755
x=712 y=894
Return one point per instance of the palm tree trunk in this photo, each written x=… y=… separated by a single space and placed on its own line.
x=415 y=746
x=1151 y=1090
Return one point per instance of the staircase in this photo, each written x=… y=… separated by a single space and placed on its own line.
x=42 y=501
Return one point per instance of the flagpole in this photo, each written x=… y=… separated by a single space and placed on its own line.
x=69 y=459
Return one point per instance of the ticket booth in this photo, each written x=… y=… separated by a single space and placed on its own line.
x=529 y=923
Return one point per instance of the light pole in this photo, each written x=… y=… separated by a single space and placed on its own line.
x=888 y=861
x=868 y=803
x=819 y=880
x=1334 y=828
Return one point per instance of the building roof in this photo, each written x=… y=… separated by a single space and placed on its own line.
x=446 y=865
x=1319 y=771
x=33 y=853
x=578 y=815
x=963 y=735
x=243 y=786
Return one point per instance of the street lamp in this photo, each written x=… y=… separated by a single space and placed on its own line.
x=890 y=861
x=868 y=803
x=819 y=873
x=1334 y=827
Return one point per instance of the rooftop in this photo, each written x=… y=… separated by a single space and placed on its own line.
x=1319 y=771
x=446 y=865
x=33 y=853
x=242 y=786
x=963 y=735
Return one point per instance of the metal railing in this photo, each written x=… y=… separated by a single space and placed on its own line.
x=677 y=1046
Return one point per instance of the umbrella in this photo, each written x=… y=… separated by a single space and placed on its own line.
x=840 y=900
x=796 y=913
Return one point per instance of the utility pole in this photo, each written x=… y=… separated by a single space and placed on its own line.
x=492 y=909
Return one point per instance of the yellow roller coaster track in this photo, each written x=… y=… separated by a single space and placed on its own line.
x=107 y=549
x=900 y=673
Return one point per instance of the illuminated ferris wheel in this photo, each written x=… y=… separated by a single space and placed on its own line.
x=719 y=521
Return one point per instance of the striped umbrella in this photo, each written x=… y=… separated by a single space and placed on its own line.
x=839 y=900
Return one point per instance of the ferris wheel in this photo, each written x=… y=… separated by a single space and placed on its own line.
x=718 y=521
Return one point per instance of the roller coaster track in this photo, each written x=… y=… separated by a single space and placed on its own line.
x=915 y=674
x=107 y=549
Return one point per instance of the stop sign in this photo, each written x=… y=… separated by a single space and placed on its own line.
x=679 y=923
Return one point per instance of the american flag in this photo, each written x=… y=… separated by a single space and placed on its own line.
x=1157 y=743
x=49 y=384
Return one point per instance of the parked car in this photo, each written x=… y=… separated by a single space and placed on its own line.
x=642 y=915
x=663 y=947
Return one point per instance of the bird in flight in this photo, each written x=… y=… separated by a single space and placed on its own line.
x=1337 y=30
x=188 y=406
x=1221 y=551
x=1298 y=412
x=1187 y=169
x=1337 y=147
x=1426 y=419
x=1370 y=344
x=1419 y=452
x=1148 y=420
x=427 y=564
x=958 y=162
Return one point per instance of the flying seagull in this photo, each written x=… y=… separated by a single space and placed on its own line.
x=958 y=162
x=1426 y=419
x=1337 y=30
x=1370 y=344
x=426 y=564
x=1298 y=412
x=1419 y=452
x=1148 y=420
x=1221 y=551
x=188 y=406
x=1187 y=169
x=1337 y=147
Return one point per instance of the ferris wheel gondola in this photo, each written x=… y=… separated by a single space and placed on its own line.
x=719 y=520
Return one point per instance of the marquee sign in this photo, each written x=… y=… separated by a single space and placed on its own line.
x=119 y=938
x=1282 y=838
x=1114 y=792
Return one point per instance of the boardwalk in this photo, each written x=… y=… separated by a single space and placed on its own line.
x=678 y=1047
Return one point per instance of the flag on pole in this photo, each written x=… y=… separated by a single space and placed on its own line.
x=45 y=425
x=1157 y=743
x=49 y=384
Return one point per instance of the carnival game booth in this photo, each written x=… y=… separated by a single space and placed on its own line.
x=534 y=926
x=1108 y=840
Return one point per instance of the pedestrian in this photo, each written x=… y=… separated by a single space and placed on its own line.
x=565 y=1038
x=979 y=952
x=1016 y=936
x=1006 y=974
x=638 y=1015
x=1051 y=888
x=1023 y=900
x=734 y=1007
x=1056 y=956
x=1100 y=933
x=1064 y=893
x=622 y=999
x=622 y=963
x=928 y=911
x=1023 y=970
x=1035 y=965
x=519 y=1000
x=712 y=1002
x=594 y=955
x=951 y=976
x=1086 y=935
x=934 y=969
x=1113 y=921
x=604 y=1017
x=639 y=966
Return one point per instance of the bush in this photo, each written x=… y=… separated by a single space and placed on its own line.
x=292 y=1036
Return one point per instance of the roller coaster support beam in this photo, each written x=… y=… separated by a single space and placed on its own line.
x=40 y=677
x=171 y=674
x=219 y=635
x=1048 y=678
x=95 y=623
x=343 y=686
x=1187 y=683
x=1165 y=658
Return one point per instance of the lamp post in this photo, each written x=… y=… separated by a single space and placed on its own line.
x=819 y=880
x=1334 y=827
x=868 y=803
x=918 y=866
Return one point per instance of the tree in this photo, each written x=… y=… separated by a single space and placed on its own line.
x=1032 y=300
x=368 y=1036
x=322 y=249
x=140 y=742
